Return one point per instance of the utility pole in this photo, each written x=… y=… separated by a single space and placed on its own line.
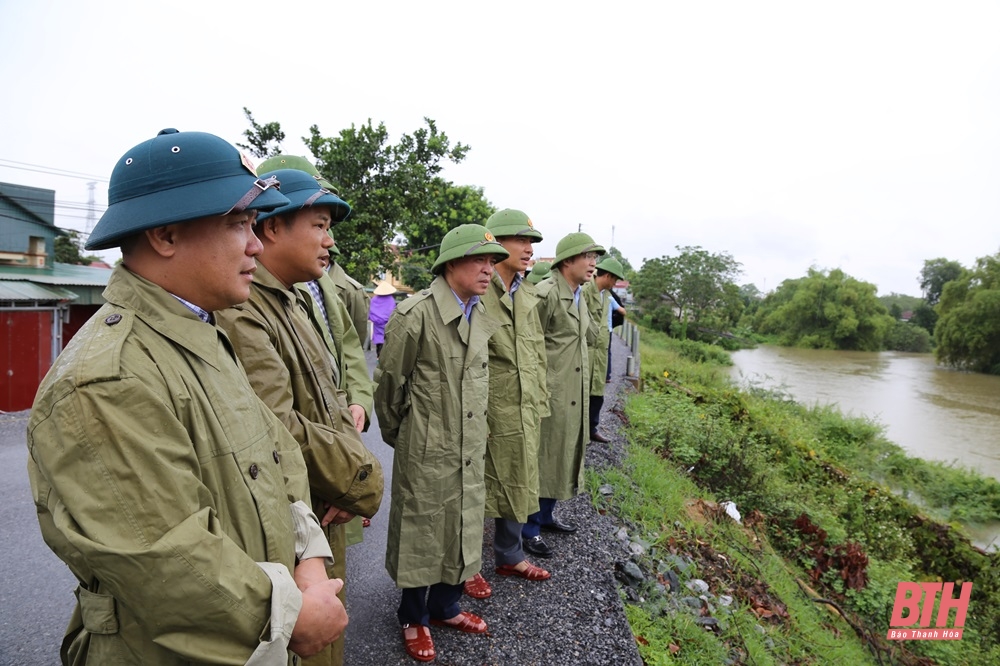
x=91 y=213
x=612 y=235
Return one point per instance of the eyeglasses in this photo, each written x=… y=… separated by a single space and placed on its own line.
x=590 y=255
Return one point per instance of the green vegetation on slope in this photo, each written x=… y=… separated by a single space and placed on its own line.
x=811 y=485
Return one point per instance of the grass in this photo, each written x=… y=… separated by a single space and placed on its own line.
x=816 y=487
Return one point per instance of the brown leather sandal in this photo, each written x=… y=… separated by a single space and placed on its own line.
x=477 y=587
x=469 y=623
x=422 y=643
x=530 y=572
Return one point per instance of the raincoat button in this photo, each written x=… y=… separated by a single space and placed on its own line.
x=363 y=475
x=275 y=454
x=578 y=369
x=573 y=403
x=470 y=415
x=468 y=462
x=485 y=364
x=111 y=320
x=254 y=471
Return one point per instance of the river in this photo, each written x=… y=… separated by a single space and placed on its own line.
x=932 y=412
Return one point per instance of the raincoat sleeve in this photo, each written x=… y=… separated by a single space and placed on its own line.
x=125 y=503
x=395 y=365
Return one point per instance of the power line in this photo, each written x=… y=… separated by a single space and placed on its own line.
x=38 y=168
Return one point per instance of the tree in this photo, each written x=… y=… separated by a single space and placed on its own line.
x=692 y=285
x=450 y=206
x=968 y=330
x=67 y=250
x=825 y=310
x=389 y=186
x=260 y=138
x=935 y=274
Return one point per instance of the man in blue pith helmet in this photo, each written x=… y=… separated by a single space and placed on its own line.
x=171 y=492
x=277 y=335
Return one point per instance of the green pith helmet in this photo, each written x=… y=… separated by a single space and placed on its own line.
x=467 y=240
x=296 y=162
x=510 y=222
x=613 y=266
x=574 y=244
x=176 y=177
x=539 y=272
x=334 y=250
x=302 y=191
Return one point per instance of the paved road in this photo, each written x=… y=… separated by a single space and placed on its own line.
x=36 y=597
x=578 y=620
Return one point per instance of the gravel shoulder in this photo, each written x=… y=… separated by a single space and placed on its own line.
x=575 y=617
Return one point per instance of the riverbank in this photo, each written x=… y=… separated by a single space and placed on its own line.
x=816 y=524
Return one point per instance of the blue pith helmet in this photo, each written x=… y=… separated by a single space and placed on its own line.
x=176 y=177
x=303 y=190
x=467 y=240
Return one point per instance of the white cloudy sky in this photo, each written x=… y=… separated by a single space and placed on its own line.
x=860 y=135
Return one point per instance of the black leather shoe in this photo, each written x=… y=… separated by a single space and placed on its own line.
x=558 y=526
x=598 y=437
x=537 y=547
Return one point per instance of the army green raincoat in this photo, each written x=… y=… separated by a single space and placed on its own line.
x=352 y=293
x=598 y=305
x=293 y=371
x=518 y=401
x=565 y=431
x=163 y=482
x=345 y=345
x=432 y=385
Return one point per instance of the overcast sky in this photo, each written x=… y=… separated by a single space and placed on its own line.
x=858 y=135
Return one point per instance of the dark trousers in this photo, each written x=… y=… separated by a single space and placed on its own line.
x=608 y=377
x=532 y=528
x=419 y=604
x=596 y=404
x=507 y=541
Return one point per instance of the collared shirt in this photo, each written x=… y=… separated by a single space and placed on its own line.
x=204 y=315
x=576 y=295
x=317 y=294
x=515 y=283
x=611 y=310
x=466 y=308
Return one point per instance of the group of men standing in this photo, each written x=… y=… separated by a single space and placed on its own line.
x=195 y=452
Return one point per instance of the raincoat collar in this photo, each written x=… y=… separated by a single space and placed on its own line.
x=162 y=312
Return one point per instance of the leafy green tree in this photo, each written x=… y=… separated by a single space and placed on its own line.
x=935 y=274
x=450 y=206
x=67 y=250
x=390 y=186
x=907 y=337
x=261 y=137
x=825 y=310
x=925 y=316
x=968 y=330
x=901 y=301
x=691 y=285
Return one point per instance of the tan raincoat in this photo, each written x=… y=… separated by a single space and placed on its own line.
x=598 y=305
x=293 y=371
x=352 y=293
x=518 y=401
x=162 y=481
x=431 y=396
x=565 y=431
